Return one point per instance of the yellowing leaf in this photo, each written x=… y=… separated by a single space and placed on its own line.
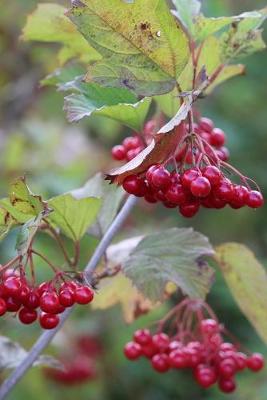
x=247 y=281
x=142 y=46
x=120 y=290
x=48 y=23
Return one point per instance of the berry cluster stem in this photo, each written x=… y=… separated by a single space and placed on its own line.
x=47 y=336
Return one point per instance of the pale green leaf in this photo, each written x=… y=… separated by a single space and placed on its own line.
x=229 y=71
x=111 y=196
x=48 y=23
x=173 y=256
x=168 y=103
x=73 y=216
x=247 y=281
x=142 y=46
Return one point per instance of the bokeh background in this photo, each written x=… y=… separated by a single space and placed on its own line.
x=36 y=139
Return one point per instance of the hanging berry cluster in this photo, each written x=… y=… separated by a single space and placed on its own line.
x=43 y=302
x=196 y=176
x=194 y=343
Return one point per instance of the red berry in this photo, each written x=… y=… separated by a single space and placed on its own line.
x=255 y=199
x=12 y=304
x=161 y=341
x=11 y=285
x=224 y=191
x=48 y=321
x=132 y=350
x=134 y=185
x=161 y=178
x=255 y=362
x=83 y=295
x=142 y=337
x=160 y=362
x=149 y=173
x=227 y=385
x=206 y=124
x=205 y=376
x=190 y=209
x=32 y=301
x=176 y=194
x=150 y=127
x=241 y=361
x=240 y=197
x=200 y=187
x=227 y=368
x=43 y=287
x=149 y=350
x=3 y=308
x=66 y=298
x=23 y=293
x=209 y=327
x=133 y=153
x=178 y=359
x=49 y=302
x=27 y=316
x=131 y=142
x=118 y=152
x=189 y=176
x=217 y=137
x=213 y=174
x=223 y=153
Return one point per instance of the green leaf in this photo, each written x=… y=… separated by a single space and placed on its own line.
x=174 y=256
x=118 y=104
x=73 y=216
x=111 y=196
x=229 y=71
x=61 y=76
x=186 y=11
x=28 y=231
x=48 y=23
x=247 y=281
x=22 y=204
x=143 y=48
x=6 y=223
x=168 y=103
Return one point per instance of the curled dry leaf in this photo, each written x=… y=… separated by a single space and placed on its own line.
x=162 y=147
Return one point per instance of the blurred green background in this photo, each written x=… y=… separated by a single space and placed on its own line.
x=36 y=139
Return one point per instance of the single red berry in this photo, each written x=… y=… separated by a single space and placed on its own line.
x=83 y=295
x=209 y=327
x=71 y=286
x=142 y=337
x=189 y=176
x=32 y=301
x=131 y=142
x=149 y=173
x=49 y=302
x=132 y=350
x=118 y=152
x=160 y=195
x=255 y=362
x=255 y=199
x=161 y=341
x=227 y=385
x=27 y=316
x=178 y=359
x=160 y=362
x=224 y=191
x=200 y=187
x=217 y=137
x=48 y=321
x=149 y=350
x=213 y=174
x=241 y=361
x=205 y=376
x=131 y=154
x=43 y=287
x=241 y=194
x=176 y=194
x=227 y=368
x=23 y=293
x=66 y=298
x=161 y=178
x=223 y=153
x=134 y=185
x=189 y=209
x=12 y=304
x=206 y=124
x=9 y=272
x=3 y=308
x=12 y=285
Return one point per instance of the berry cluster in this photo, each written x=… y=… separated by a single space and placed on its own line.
x=48 y=299
x=202 y=350
x=79 y=365
x=195 y=177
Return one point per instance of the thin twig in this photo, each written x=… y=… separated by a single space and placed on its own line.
x=47 y=336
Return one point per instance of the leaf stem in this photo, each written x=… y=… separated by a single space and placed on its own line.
x=47 y=336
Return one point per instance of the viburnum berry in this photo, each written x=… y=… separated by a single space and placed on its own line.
x=189 y=176
x=161 y=341
x=188 y=210
x=143 y=337
x=32 y=300
x=134 y=185
x=11 y=285
x=255 y=199
x=3 y=307
x=209 y=327
x=160 y=362
x=200 y=187
x=49 y=302
x=27 y=316
x=160 y=178
x=66 y=298
x=118 y=152
x=227 y=385
x=132 y=350
x=83 y=295
x=213 y=174
x=206 y=124
x=217 y=137
x=255 y=362
x=48 y=321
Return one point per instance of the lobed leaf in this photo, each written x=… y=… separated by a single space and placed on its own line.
x=142 y=47
x=173 y=256
x=247 y=281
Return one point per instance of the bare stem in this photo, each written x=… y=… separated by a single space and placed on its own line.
x=47 y=336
